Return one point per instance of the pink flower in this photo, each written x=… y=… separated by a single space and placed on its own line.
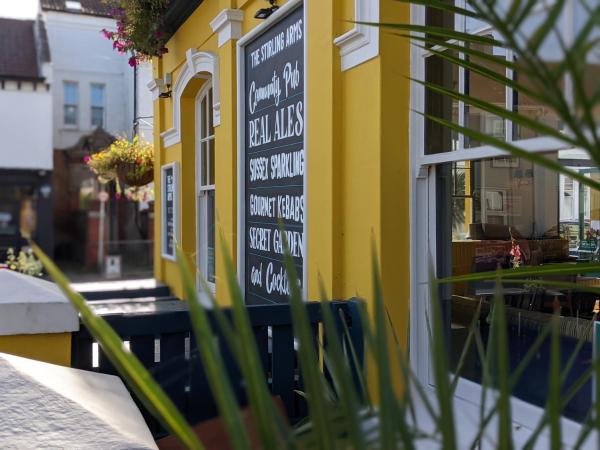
x=86 y=158
x=132 y=61
x=515 y=253
x=107 y=34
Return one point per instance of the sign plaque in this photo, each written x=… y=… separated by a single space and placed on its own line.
x=273 y=156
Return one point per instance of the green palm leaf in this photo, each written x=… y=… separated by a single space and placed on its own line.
x=131 y=369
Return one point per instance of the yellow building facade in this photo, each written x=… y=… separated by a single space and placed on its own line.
x=355 y=141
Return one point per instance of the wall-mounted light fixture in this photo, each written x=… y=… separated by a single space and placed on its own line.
x=263 y=13
x=164 y=85
x=45 y=190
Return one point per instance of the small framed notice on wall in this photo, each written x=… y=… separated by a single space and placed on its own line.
x=169 y=209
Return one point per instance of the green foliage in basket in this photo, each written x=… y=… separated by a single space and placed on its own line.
x=25 y=262
x=132 y=162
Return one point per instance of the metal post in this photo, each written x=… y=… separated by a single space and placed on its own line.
x=102 y=197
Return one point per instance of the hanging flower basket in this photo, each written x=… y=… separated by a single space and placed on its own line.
x=132 y=174
x=130 y=162
x=102 y=164
x=140 y=28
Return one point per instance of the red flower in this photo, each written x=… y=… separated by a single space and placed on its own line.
x=515 y=253
x=132 y=61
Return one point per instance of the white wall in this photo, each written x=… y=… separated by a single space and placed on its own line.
x=145 y=104
x=25 y=127
x=80 y=53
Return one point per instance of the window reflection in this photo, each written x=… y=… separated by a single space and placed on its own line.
x=210 y=237
x=591 y=82
x=18 y=216
x=488 y=209
x=532 y=108
x=482 y=88
x=442 y=73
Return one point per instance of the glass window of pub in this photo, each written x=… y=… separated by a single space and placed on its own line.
x=483 y=204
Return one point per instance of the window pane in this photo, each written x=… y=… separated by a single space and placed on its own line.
x=591 y=74
x=439 y=138
x=18 y=215
x=438 y=18
x=203 y=118
x=70 y=93
x=211 y=164
x=210 y=237
x=97 y=116
x=484 y=89
x=592 y=87
x=530 y=107
x=203 y=163
x=97 y=91
x=209 y=113
x=506 y=212
x=591 y=84
x=70 y=114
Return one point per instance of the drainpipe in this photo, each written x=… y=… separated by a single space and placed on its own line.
x=135 y=114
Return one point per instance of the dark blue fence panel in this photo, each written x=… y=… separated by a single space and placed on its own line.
x=159 y=333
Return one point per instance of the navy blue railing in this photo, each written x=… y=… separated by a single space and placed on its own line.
x=158 y=332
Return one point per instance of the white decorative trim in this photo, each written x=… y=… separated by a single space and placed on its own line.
x=153 y=87
x=361 y=43
x=228 y=25
x=198 y=65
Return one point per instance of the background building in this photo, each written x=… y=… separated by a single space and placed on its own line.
x=26 y=130
x=95 y=99
x=93 y=83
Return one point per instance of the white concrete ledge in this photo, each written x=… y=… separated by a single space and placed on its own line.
x=30 y=305
x=48 y=406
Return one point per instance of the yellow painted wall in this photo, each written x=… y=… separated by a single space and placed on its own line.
x=51 y=348
x=357 y=154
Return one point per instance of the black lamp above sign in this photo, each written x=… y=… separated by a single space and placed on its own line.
x=164 y=85
x=264 y=13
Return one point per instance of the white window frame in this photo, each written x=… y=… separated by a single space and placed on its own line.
x=76 y=104
x=202 y=191
x=423 y=248
x=103 y=106
x=176 y=210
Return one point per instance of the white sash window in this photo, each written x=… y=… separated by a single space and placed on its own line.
x=468 y=199
x=205 y=185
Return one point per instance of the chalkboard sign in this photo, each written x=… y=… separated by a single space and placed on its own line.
x=272 y=151
x=170 y=209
